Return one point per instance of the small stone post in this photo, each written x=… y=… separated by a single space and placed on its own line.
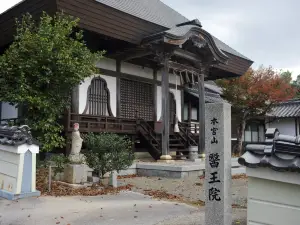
x=218 y=200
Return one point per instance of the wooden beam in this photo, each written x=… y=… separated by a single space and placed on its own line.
x=134 y=77
x=165 y=116
x=187 y=55
x=135 y=55
x=181 y=67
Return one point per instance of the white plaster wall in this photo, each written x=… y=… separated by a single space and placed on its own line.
x=106 y=63
x=111 y=85
x=136 y=70
x=177 y=95
x=285 y=126
x=272 y=202
x=9 y=171
x=172 y=78
x=8 y=111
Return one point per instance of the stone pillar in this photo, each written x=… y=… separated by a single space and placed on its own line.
x=165 y=110
x=218 y=200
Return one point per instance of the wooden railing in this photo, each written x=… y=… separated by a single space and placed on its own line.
x=191 y=138
x=92 y=123
x=149 y=130
x=190 y=127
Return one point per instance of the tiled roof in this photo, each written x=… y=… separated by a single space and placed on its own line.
x=15 y=135
x=210 y=95
x=155 y=11
x=286 y=109
x=182 y=30
x=280 y=153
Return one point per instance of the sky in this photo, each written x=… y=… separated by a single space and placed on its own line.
x=266 y=31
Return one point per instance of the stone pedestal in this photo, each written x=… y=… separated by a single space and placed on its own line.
x=77 y=158
x=75 y=174
x=166 y=159
x=218 y=209
x=193 y=153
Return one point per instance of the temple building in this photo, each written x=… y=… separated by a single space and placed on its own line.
x=154 y=80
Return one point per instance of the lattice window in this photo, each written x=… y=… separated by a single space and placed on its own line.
x=136 y=99
x=98 y=98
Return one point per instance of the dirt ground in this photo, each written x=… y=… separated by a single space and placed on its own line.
x=189 y=189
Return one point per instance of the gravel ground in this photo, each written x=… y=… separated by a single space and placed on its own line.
x=191 y=189
x=197 y=218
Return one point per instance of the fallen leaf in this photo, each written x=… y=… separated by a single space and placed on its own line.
x=28 y=215
x=57 y=222
x=135 y=216
x=150 y=206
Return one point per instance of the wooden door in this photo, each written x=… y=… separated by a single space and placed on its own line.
x=136 y=99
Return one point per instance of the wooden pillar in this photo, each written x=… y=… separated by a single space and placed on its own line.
x=182 y=105
x=154 y=95
x=189 y=111
x=201 y=145
x=165 y=109
x=118 y=70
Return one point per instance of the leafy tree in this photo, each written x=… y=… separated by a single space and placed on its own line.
x=108 y=152
x=254 y=94
x=296 y=85
x=287 y=76
x=40 y=68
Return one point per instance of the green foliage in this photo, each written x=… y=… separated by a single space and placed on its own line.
x=287 y=76
x=59 y=162
x=39 y=70
x=108 y=152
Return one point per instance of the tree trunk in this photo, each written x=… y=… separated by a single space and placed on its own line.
x=240 y=136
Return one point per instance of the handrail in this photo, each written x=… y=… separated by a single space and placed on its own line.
x=149 y=130
x=189 y=135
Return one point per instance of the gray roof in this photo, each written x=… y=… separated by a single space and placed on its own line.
x=155 y=11
x=15 y=135
x=182 y=30
x=211 y=96
x=280 y=153
x=286 y=109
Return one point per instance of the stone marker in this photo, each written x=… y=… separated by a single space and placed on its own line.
x=218 y=200
x=113 y=179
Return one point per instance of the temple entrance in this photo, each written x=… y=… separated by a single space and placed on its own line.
x=172 y=111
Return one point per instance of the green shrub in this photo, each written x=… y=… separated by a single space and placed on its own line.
x=59 y=162
x=108 y=152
